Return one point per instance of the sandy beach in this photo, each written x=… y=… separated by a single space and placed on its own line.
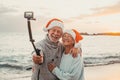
x=106 y=72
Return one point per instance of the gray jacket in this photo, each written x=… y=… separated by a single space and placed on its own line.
x=52 y=53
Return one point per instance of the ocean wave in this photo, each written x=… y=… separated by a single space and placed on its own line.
x=24 y=62
x=17 y=62
x=101 y=60
x=11 y=66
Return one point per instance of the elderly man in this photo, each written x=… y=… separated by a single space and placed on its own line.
x=51 y=50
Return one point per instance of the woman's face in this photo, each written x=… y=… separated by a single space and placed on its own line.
x=67 y=40
x=55 y=34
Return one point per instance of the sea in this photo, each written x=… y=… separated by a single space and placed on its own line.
x=16 y=52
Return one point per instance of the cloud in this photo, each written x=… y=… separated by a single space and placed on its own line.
x=6 y=10
x=102 y=11
x=12 y=23
x=107 y=10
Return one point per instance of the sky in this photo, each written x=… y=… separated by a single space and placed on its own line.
x=92 y=16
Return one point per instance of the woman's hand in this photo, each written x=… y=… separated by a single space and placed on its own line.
x=51 y=66
x=75 y=52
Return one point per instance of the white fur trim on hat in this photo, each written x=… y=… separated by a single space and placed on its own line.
x=71 y=32
x=53 y=24
x=75 y=34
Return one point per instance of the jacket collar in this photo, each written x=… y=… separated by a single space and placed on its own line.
x=53 y=44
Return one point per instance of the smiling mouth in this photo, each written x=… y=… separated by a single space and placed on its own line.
x=54 y=37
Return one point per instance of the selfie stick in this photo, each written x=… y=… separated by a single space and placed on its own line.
x=30 y=33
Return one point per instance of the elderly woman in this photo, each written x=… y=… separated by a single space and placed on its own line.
x=70 y=68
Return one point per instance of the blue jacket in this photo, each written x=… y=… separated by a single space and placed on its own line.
x=70 y=68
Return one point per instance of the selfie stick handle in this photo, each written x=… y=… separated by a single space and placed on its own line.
x=31 y=39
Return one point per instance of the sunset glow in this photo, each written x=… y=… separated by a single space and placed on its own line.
x=84 y=15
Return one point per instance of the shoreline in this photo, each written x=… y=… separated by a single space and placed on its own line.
x=105 y=72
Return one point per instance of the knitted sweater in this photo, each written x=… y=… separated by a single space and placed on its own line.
x=52 y=52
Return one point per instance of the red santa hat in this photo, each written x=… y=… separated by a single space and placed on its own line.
x=52 y=23
x=75 y=34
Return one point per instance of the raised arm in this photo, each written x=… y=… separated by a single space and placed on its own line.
x=76 y=50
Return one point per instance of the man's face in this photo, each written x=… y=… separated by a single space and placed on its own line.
x=55 y=33
x=67 y=40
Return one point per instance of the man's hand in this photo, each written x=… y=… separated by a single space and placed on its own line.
x=75 y=52
x=37 y=59
x=51 y=66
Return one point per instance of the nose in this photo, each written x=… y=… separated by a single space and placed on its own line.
x=56 y=32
